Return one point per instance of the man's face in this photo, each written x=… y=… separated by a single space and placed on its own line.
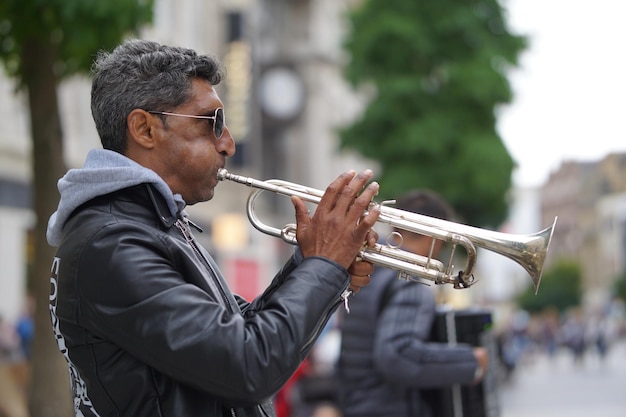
x=188 y=155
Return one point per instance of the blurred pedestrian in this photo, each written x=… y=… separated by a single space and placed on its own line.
x=12 y=393
x=26 y=328
x=573 y=335
x=386 y=356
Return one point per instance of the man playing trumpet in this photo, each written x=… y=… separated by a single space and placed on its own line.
x=141 y=311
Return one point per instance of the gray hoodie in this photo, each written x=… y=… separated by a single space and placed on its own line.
x=104 y=172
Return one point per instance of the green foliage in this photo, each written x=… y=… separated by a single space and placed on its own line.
x=619 y=288
x=76 y=29
x=560 y=289
x=438 y=69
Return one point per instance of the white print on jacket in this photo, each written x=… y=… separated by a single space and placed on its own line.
x=79 y=390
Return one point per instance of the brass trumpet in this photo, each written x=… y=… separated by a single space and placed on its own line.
x=529 y=251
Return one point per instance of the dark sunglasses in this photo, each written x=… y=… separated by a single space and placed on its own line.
x=218 y=119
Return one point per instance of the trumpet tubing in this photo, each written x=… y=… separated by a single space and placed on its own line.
x=529 y=251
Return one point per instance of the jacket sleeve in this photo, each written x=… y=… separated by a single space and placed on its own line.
x=289 y=266
x=402 y=351
x=135 y=292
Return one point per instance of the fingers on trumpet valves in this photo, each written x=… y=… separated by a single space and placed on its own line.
x=371 y=238
x=361 y=268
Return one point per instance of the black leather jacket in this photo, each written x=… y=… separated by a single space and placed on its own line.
x=149 y=327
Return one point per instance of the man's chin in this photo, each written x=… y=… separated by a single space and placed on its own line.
x=208 y=196
x=200 y=199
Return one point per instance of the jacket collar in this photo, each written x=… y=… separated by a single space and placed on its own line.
x=160 y=206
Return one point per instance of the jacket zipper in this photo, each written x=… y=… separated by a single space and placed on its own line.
x=183 y=226
x=343 y=299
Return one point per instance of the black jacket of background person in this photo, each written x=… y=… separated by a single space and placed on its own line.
x=386 y=358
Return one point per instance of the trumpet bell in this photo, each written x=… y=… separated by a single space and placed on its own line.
x=531 y=251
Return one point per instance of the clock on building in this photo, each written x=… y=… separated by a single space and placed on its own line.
x=281 y=93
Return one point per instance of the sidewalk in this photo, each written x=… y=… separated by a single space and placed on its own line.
x=557 y=387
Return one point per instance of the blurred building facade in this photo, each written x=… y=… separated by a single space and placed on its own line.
x=285 y=99
x=589 y=199
x=16 y=218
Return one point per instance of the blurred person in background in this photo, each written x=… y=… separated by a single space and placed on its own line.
x=573 y=334
x=25 y=327
x=386 y=358
x=12 y=392
x=140 y=310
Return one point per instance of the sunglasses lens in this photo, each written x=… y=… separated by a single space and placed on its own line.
x=218 y=123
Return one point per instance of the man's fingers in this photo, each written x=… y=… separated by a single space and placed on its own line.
x=360 y=274
x=341 y=223
x=350 y=194
x=334 y=191
x=302 y=212
x=367 y=222
x=371 y=238
x=361 y=268
x=358 y=281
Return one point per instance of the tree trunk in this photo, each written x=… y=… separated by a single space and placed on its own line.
x=49 y=392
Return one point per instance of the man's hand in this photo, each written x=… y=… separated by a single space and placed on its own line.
x=340 y=226
x=360 y=275
x=360 y=271
x=482 y=358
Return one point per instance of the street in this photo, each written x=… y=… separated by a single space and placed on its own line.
x=558 y=387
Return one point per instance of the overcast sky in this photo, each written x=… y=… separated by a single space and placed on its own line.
x=570 y=88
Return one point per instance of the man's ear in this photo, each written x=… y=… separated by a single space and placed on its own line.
x=141 y=128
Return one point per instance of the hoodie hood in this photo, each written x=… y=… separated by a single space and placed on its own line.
x=104 y=172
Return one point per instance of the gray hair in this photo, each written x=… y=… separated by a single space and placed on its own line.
x=141 y=74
